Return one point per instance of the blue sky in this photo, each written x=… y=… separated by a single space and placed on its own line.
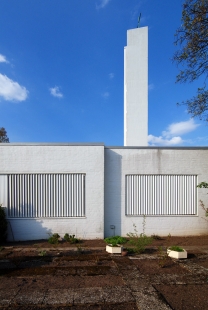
x=61 y=71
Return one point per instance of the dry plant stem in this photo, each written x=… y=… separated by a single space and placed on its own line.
x=204 y=208
x=163 y=257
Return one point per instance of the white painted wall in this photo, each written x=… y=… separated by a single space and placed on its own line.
x=104 y=183
x=57 y=158
x=122 y=161
x=136 y=88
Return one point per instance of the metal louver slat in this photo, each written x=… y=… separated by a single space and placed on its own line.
x=161 y=194
x=46 y=195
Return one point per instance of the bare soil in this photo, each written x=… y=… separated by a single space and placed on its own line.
x=39 y=275
x=158 y=241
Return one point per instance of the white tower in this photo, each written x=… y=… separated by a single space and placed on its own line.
x=136 y=88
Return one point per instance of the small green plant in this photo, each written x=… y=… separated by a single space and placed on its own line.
x=115 y=240
x=176 y=248
x=139 y=241
x=54 y=239
x=80 y=250
x=42 y=253
x=156 y=237
x=168 y=238
x=163 y=257
x=1 y=248
x=70 y=238
x=3 y=225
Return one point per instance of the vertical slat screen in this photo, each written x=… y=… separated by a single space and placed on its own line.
x=161 y=194
x=46 y=195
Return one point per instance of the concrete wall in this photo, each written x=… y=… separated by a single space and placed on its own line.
x=136 y=88
x=56 y=158
x=122 y=161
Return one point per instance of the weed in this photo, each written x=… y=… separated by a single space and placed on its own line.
x=203 y=185
x=54 y=239
x=204 y=208
x=156 y=237
x=144 y=224
x=1 y=248
x=79 y=249
x=139 y=241
x=42 y=253
x=70 y=238
x=97 y=260
x=163 y=257
x=169 y=238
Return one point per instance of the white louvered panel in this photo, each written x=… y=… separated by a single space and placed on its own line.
x=46 y=195
x=161 y=194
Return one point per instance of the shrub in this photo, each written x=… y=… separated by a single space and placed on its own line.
x=3 y=225
x=70 y=238
x=115 y=240
x=54 y=239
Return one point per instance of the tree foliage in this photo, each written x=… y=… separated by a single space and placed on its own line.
x=3 y=135
x=192 y=37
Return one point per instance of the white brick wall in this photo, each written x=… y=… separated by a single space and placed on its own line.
x=122 y=161
x=64 y=158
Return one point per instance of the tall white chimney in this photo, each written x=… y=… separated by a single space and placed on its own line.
x=136 y=88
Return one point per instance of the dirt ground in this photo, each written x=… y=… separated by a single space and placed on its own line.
x=158 y=241
x=38 y=275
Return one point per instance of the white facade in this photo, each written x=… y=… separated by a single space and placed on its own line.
x=27 y=159
x=136 y=88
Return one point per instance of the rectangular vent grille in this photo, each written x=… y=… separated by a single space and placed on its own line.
x=46 y=195
x=161 y=194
